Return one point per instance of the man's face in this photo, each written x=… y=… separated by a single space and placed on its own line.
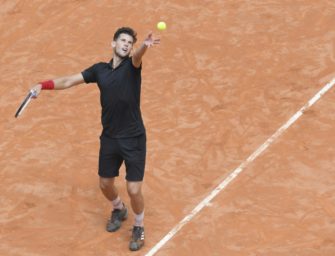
x=123 y=45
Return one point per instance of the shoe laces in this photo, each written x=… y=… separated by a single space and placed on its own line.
x=137 y=232
x=115 y=214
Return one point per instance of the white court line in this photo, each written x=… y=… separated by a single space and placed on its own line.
x=239 y=169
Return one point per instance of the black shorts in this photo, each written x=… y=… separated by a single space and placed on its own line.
x=130 y=150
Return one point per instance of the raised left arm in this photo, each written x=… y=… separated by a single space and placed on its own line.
x=139 y=52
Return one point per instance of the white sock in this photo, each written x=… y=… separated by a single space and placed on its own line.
x=139 y=219
x=117 y=203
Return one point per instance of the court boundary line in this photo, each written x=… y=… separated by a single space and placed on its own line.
x=239 y=169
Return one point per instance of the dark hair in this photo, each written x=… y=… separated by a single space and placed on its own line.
x=125 y=30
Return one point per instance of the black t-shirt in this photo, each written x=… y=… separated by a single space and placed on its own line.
x=120 y=91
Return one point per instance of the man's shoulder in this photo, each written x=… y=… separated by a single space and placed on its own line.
x=100 y=66
x=130 y=61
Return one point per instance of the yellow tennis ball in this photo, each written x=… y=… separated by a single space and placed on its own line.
x=161 y=25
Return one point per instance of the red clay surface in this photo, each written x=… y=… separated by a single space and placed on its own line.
x=226 y=76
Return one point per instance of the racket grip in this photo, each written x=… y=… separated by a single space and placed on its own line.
x=33 y=93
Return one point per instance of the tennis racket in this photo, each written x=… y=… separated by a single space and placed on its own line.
x=24 y=104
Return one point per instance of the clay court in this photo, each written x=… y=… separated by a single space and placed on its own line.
x=226 y=77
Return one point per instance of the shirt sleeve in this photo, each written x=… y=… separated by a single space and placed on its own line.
x=138 y=70
x=89 y=74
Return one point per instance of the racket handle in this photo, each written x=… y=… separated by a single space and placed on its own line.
x=33 y=93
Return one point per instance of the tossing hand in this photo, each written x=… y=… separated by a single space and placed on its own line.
x=150 y=40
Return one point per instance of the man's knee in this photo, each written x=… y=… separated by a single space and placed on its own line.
x=106 y=183
x=134 y=189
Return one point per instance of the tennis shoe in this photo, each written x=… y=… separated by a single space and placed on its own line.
x=117 y=216
x=137 y=238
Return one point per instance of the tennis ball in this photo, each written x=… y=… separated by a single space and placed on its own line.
x=161 y=25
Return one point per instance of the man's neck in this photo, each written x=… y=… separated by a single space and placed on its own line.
x=116 y=61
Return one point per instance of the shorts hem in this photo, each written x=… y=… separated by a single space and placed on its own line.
x=107 y=176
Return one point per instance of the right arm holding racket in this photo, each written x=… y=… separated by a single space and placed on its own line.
x=57 y=84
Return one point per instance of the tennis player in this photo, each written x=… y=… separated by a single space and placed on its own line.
x=123 y=137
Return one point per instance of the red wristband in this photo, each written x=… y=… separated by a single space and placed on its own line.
x=48 y=85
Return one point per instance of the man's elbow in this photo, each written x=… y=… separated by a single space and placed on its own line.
x=73 y=80
x=68 y=83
